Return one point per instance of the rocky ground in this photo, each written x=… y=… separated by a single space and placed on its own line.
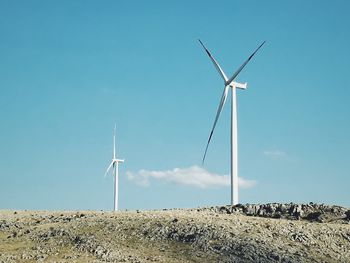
x=242 y=233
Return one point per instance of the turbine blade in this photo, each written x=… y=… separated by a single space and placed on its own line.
x=216 y=64
x=109 y=167
x=115 y=128
x=221 y=105
x=243 y=65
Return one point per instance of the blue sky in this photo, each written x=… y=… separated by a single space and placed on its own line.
x=70 y=69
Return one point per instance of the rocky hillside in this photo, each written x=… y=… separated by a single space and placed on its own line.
x=242 y=233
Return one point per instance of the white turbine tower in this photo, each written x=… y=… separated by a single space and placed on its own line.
x=115 y=163
x=230 y=83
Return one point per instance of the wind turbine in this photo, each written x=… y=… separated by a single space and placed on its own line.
x=115 y=163
x=230 y=83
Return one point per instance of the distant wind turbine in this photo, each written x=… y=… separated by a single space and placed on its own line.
x=115 y=163
x=230 y=83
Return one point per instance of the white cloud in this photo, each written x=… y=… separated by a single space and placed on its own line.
x=274 y=154
x=192 y=176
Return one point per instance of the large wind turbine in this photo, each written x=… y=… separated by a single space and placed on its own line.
x=115 y=163
x=230 y=83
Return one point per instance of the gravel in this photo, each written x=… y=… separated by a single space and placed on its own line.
x=241 y=233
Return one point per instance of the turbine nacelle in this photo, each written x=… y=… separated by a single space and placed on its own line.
x=113 y=162
x=238 y=85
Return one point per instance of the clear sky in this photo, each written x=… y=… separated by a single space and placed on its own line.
x=70 y=69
